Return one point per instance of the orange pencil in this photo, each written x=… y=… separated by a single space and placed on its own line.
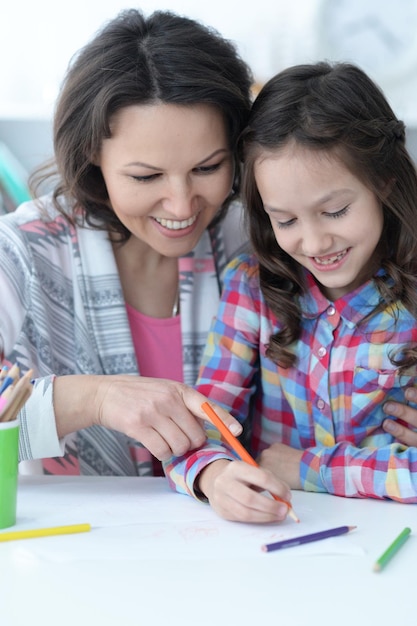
x=239 y=449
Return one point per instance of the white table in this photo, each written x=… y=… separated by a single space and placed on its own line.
x=155 y=557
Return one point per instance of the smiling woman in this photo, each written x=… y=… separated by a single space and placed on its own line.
x=142 y=218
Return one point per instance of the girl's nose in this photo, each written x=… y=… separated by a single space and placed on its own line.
x=316 y=242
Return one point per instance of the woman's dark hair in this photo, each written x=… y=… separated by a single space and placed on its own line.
x=164 y=58
x=338 y=110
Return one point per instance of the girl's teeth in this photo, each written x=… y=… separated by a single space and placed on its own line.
x=175 y=224
x=331 y=259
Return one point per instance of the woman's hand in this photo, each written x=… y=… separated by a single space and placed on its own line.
x=402 y=430
x=236 y=491
x=161 y=414
x=284 y=462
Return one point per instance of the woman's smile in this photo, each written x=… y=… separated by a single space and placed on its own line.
x=175 y=224
x=176 y=228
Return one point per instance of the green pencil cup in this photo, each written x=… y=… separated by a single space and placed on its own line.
x=9 y=445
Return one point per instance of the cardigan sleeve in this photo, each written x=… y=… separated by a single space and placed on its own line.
x=38 y=436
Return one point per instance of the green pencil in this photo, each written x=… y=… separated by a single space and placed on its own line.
x=392 y=550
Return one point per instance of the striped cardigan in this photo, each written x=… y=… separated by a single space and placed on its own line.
x=62 y=312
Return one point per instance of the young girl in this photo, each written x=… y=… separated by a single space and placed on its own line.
x=117 y=272
x=318 y=329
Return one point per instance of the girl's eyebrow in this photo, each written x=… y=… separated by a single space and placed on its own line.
x=323 y=200
x=271 y=209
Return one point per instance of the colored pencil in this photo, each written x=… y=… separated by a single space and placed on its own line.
x=44 y=532
x=11 y=378
x=3 y=372
x=297 y=541
x=239 y=449
x=392 y=550
x=4 y=398
x=14 y=397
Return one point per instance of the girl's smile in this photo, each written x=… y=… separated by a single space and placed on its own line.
x=331 y=261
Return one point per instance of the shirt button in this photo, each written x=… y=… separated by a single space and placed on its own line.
x=322 y=352
x=321 y=404
x=331 y=310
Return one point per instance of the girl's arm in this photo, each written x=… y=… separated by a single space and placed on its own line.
x=381 y=471
x=234 y=394
x=227 y=375
x=388 y=471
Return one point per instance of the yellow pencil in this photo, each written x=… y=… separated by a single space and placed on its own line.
x=44 y=532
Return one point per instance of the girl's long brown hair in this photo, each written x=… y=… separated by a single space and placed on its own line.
x=336 y=109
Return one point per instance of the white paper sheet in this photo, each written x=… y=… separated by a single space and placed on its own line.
x=143 y=519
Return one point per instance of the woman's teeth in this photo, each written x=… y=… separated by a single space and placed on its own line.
x=175 y=224
x=330 y=259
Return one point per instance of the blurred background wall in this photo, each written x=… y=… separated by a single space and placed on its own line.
x=37 y=40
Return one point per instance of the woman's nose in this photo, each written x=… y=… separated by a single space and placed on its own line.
x=180 y=199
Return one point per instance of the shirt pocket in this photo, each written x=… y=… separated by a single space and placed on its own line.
x=370 y=390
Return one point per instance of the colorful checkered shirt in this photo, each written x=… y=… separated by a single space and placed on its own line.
x=329 y=404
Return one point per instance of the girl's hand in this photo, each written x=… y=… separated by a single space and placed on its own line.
x=284 y=462
x=236 y=491
x=402 y=427
x=164 y=415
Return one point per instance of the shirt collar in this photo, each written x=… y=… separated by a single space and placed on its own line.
x=353 y=306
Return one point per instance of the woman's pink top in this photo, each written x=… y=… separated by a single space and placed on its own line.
x=157 y=345
x=158 y=350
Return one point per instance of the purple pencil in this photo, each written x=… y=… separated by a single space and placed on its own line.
x=296 y=541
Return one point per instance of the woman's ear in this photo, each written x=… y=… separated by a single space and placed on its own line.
x=95 y=160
